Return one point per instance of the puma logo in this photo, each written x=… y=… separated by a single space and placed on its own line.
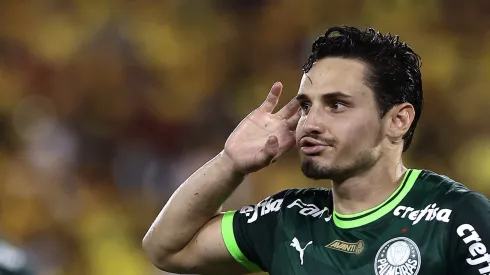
x=295 y=244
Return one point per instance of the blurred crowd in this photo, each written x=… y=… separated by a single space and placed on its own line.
x=107 y=106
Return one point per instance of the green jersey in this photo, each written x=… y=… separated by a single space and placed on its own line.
x=13 y=261
x=429 y=225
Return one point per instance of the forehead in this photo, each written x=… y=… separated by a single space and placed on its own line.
x=331 y=75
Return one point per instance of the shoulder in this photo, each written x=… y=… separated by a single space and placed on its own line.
x=306 y=201
x=314 y=202
x=309 y=195
x=441 y=183
x=445 y=186
x=304 y=196
x=452 y=192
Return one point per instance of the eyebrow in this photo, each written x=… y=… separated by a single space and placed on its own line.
x=327 y=96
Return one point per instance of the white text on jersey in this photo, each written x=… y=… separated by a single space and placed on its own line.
x=308 y=209
x=262 y=208
x=430 y=212
x=477 y=249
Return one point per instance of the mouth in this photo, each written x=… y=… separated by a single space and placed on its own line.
x=312 y=150
x=310 y=146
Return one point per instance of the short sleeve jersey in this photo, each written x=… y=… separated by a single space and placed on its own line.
x=429 y=225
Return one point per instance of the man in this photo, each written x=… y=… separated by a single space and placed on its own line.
x=359 y=102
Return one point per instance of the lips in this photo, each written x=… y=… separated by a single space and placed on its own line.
x=308 y=141
x=311 y=146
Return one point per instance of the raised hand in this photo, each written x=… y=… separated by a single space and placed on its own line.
x=262 y=137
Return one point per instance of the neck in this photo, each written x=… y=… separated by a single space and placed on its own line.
x=368 y=189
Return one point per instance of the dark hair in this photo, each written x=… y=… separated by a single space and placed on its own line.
x=394 y=67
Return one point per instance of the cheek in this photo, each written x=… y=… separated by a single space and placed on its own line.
x=359 y=132
x=299 y=128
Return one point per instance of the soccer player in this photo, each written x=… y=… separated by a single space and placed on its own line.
x=356 y=111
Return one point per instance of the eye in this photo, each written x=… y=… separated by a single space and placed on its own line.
x=305 y=107
x=338 y=105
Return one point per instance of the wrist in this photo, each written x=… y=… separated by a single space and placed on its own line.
x=229 y=165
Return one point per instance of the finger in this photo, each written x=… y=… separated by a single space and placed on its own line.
x=287 y=146
x=271 y=148
x=272 y=98
x=292 y=122
x=290 y=109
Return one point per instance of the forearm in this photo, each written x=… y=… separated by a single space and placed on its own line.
x=192 y=205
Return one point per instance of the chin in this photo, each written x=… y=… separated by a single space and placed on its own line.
x=323 y=167
x=314 y=169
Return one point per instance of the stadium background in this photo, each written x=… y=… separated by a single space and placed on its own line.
x=106 y=106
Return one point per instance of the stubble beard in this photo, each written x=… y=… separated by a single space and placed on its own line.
x=313 y=169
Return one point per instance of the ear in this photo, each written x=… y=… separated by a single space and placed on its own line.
x=399 y=120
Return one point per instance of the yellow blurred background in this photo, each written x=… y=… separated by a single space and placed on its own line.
x=107 y=106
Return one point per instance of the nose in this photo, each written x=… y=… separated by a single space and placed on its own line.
x=312 y=124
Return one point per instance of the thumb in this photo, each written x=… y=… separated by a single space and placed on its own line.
x=271 y=148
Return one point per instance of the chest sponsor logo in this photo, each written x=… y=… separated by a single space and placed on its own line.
x=480 y=258
x=346 y=247
x=307 y=209
x=429 y=213
x=301 y=250
x=263 y=208
x=399 y=256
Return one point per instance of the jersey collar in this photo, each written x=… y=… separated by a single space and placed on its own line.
x=373 y=214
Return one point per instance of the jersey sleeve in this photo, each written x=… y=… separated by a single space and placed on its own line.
x=470 y=237
x=249 y=233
